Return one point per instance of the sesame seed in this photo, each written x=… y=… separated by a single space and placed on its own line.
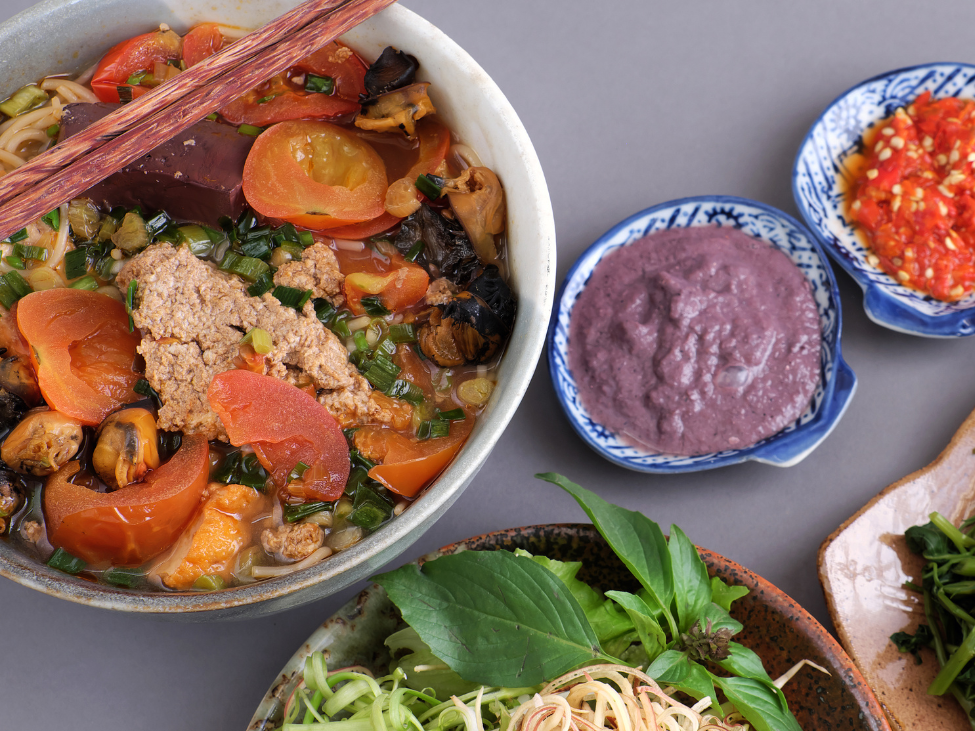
x=945 y=192
x=927 y=143
x=896 y=189
x=879 y=146
x=873 y=260
x=955 y=178
x=929 y=273
x=897 y=142
x=902 y=275
x=941 y=159
x=950 y=244
x=872 y=173
x=887 y=131
x=885 y=154
x=895 y=204
x=943 y=208
x=953 y=157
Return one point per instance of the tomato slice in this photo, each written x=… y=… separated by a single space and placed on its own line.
x=314 y=175
x=281 y=99
x=82 y=351
x=285 y=426
x=402 y=287
x=410 y=465
x=434 y=143
x=129 y=526
x=201 y=42
x=131 y=57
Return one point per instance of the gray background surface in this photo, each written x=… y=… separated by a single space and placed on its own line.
x=629 y=103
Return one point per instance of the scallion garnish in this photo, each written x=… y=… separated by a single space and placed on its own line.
x=406 y=391
x=250 y=130
x=305 y=238
x=361 y=342
x=12 y=288
x=369 y=510
x=263 y=284
x=22 y=100
x=266 y=99
x=125 y=577
x=291 y=297
x=428 y=187
x=241 y=469
x=423 y=430
x=439 y=428
x=143 y=388
x=319 y=84
x=196 y=238
x=76 y=263
x=402 y=332
x=294 y=513
x=286 y=232
x=130 y=301
x=297 y=472
x=37 y=253
x=15 y=261
x=137 y=78
x=248 y=267
x=382 y=373
x=19 y=236
x=259 y=340
x=86 y=282
x=210 y=582
x=53 y=131
x=373 y=306
x=52 y=219
x=340 y=326
x=158 y=223
x=324 y=310
x=258 y=247
x=293 y=248
x=64 y=561
x=457 y=414
x=414 y=253
x=358 y=459
x=211 y=117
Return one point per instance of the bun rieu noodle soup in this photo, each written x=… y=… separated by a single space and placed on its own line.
x=256 y=344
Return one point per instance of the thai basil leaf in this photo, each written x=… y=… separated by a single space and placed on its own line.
x=651 y=635
x=692 y=587
x=720 y=619
x=723 y=595
x=494 y=618
x=636 y=539
x=745 y=663
x=762 y=708
x=697 y=683
x=670 y=667
x=607 y=621
x=928 y=540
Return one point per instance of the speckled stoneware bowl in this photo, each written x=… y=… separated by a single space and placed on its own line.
x=475 y=109
x=837 y=382
x=779 y=630
x=863 y=566
x=819 y=180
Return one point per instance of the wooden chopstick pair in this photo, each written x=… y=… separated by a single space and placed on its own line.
x=79 y=162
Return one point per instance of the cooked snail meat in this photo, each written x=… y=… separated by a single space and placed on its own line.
x=392 y=70
x=42 y=443
x=127 y=447
x=477 y=199
x=396 y=110
x=464 y=330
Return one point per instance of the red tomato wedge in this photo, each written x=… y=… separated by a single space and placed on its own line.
x=397 y=290
x=82 y=351
x=201 y=42
x=131 y=57
x=434 y=143
x=314 y=175
x=129 y=526
x=281 y=99
x=410 y=465
x=285 y=426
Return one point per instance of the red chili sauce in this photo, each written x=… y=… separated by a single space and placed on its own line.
x=914 y=198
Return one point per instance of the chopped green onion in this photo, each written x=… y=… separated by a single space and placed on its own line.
x=229 y=468
x=210 y=582
x=251 y=473
x=373 y=306
x=361 y=343
x=216 y=237
x=12 y=288
x=357 y=478
x=305 y=238
x=291 y=297
x=414 y=253
x=37 y=253
x=136 y=78
x=258 y=247
x=247 y=221
x=52 y=219
x=258 y=339
x=266 y=99
x=439 y=428
x=130 y=301
x=287 y=232
x=15 y=261
x=369 y=510
x=247 y=267
x=340 y=326
x=402 y=333
x=324 y=310
x=22 y=100
x=124 y=94
x=382 y=373
x=64 y=561
x=430 y=189
x=406 y=391
x=86 y=282
x=423 y=430
x=143 y=388
x=211 y=117
x=53 y=131
x=357 y=458
x=196 y=239
x=294 y=513
x=295 y=249
x=263 y=284
x=18 y=236
x=297 y=472
x=127 y=578
x=457 y=414
x=158 y=223
x=386 y=346
x=76 y=263
x=250 y=130
x=319 y=84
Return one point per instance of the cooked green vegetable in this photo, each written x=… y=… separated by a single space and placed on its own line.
x=23 y=100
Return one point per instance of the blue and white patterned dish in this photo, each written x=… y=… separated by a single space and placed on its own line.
x=837 y=384
x=820 y=168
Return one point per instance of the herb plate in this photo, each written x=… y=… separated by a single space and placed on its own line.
x=863 y=565
x=780 y=631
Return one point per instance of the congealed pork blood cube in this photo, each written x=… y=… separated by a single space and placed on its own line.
x=196 y=174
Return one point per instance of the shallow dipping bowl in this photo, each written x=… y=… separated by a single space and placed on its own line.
x=475 y=109
x=837 y=381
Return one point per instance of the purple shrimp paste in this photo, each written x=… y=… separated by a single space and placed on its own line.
x=696 y=340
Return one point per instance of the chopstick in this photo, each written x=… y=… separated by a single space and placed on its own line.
x=94 y=154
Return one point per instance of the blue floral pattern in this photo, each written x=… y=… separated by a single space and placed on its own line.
x=817 y=185
x=837 y=384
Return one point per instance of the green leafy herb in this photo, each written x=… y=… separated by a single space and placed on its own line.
x=143 y=388
x=319 y=84
x=294 y=513
x=426 y=185
x=249 y=130
x=291 y=297
x=64 y=561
